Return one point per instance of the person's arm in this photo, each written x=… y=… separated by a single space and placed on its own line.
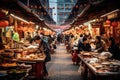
x=89 y=47
x=80 y=46
x=100 y=48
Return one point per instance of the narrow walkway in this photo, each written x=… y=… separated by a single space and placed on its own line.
x=61 y=67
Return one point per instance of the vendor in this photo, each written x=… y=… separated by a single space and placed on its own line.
x=28 y=37
x=44 y=48
x=16 y=36
x=100 y=45
x=85 y=46
x=114 y=49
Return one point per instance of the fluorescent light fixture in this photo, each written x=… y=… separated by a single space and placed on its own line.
x=19 y=18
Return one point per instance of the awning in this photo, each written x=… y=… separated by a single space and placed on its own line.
x=19 y=9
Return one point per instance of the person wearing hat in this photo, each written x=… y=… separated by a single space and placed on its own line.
x=44 y=48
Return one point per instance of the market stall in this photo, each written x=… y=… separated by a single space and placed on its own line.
x=27 y=54
x=37 y=65
x=97 y=67
x=14 y=71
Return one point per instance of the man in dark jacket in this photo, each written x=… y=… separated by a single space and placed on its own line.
x=114 y=49
x=45 y=48
x=85 y=46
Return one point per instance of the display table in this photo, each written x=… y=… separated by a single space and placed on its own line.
x=90 y=72
x=15 y=73
x=37 y=66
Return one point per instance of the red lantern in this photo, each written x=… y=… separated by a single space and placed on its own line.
x=114 y=24
x=76 y=6
x=44 y=13
x=35 y=7
x=108 y=22
x=39 y=7
x=4 y=23
x=31 y=6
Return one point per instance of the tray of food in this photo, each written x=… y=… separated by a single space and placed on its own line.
x=8 y=65
x=106 y=63
x=17 y=73
x=18 y=50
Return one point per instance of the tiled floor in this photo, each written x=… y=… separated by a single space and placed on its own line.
x=61 y=66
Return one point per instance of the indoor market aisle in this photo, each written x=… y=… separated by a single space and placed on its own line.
x=61 y=66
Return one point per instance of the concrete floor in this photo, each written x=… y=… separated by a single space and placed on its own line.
x=61 y=66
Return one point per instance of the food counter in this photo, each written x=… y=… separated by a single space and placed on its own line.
x=37 y=65
x=95 y=67
x=13 y=71
x=27 y=54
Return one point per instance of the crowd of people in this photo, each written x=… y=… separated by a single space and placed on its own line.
x=85 y=42
x=82 y=42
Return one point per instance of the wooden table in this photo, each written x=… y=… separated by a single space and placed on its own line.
x=37 y=66
x=7 y=76
x=89 y=72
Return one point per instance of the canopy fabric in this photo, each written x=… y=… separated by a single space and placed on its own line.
x=63 y=27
